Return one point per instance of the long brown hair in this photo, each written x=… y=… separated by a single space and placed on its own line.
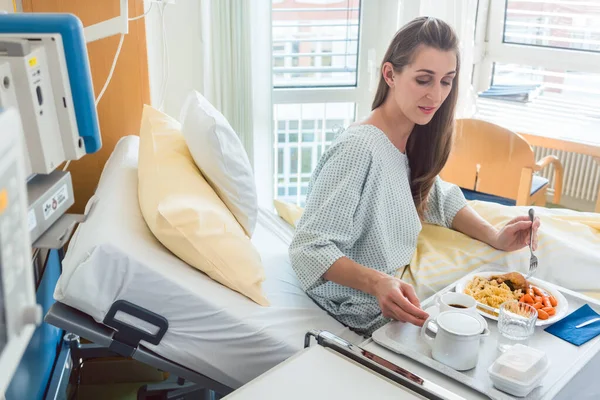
x=429 y=145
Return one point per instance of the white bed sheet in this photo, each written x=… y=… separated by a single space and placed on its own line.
x=212 y=329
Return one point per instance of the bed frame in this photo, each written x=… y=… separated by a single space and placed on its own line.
x=116 y=338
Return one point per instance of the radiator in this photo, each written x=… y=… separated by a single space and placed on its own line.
x=582 y=174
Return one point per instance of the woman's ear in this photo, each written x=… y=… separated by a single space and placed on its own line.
x=388 y=73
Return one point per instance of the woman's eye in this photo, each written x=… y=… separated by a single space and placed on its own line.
x=422 y=82
x=446 y=83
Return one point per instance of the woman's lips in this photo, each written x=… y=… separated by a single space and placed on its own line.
x=427 y=110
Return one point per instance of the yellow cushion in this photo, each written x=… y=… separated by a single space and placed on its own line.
x=186 y=215
x=290 y=213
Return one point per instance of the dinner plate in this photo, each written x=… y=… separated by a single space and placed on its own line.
x=561 y=308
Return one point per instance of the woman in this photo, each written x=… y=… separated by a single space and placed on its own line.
x=379 y=180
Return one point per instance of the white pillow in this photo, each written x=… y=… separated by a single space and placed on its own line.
x=219 y=154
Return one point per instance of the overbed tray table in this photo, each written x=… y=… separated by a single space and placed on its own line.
x=566 y=360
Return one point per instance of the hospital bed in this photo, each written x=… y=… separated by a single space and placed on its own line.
x=117 y=275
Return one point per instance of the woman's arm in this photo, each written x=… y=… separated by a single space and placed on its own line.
x=472 y=224
x=446 y=206
x=513 y=236
x=396 y=299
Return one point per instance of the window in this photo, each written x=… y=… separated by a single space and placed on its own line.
x=321 y=86
x=318 y=43
x=541 y=63
x=566 y=24
x=297 y=158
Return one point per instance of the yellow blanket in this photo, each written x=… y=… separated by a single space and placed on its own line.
x=568 y=249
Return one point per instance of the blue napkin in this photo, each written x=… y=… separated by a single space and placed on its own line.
x=565 y=328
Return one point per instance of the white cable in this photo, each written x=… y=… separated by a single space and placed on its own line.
x=165 y=58
x=114 y=64
x=112 y=69
x=143 y=15
x=108 y=78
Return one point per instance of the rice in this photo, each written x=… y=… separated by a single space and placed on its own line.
x=490 y=292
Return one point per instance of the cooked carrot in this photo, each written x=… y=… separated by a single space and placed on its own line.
x=537 y=306
x=538 y=299
x=522 y=299
x=527 y=298
x=553 y=301
x=538 y=291
x=542 y=314
x=549 y=310
x=546 y=302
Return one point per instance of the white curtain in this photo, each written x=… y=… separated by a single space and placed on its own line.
x=228 y=64
x=236 y=37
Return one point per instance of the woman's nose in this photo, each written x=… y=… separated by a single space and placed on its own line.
x=435 y=93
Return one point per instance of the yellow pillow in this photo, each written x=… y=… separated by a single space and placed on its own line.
x=186 y=215
x=290 y=213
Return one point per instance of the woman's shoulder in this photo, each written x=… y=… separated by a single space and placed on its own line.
x=352 y=146
x=358 y=136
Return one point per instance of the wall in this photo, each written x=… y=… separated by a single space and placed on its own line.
x=121 y=107
x=183 y=33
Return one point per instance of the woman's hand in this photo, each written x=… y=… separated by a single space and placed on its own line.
x=515 y=234
x=398 y=301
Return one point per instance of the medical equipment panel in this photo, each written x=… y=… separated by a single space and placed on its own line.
x=33 y=88
x=50 y=196
x=19 y=314
x=61 y=36
x=8 y=97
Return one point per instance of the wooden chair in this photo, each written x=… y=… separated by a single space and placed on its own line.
x=495 y=164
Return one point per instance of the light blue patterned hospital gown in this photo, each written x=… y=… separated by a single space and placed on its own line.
x=359 y=205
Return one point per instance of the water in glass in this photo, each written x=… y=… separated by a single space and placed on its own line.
x=516 y=324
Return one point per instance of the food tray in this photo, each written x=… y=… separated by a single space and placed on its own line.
x=565 y=359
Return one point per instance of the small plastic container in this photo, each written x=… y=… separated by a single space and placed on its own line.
x=519 y=370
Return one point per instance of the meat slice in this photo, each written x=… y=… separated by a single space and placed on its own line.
x=514 y=280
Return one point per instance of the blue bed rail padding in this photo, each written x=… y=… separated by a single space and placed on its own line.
x=82 y=91
x=32 y=376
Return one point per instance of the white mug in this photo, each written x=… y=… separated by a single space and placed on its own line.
x=456 y=342
x=453 y=301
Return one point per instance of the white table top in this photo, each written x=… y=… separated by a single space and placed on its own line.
x=319 y=373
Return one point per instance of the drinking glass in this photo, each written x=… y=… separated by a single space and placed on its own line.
x=516 y=324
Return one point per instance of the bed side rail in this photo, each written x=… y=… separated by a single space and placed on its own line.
x=127 y=337
x=103 y=337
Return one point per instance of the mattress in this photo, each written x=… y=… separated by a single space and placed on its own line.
x=212 y=330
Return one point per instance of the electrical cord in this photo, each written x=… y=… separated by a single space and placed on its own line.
x=116 y=58
x=165 y=58
x=143 y=15
x=112 y=69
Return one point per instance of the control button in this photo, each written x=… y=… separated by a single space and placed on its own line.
x=3 y=200
x=38 y=91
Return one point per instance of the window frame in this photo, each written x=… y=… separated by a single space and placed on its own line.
x=496 y=50
x=360 y=94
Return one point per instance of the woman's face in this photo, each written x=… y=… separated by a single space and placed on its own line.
x=422 y=86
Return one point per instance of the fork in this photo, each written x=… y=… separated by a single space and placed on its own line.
x=533 y=261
